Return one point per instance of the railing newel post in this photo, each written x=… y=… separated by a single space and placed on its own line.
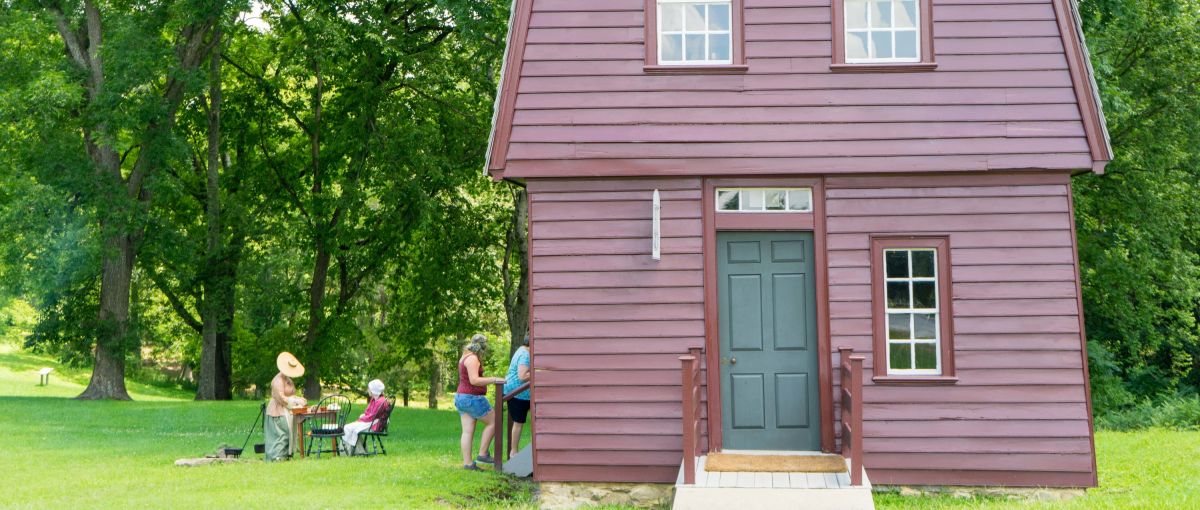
x=687 y=372
x=498 y=428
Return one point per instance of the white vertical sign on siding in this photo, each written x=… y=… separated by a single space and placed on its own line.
x=656 y=230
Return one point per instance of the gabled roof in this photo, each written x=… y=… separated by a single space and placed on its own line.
x=506 y=94
x=1083 y=76
x=1066 y=12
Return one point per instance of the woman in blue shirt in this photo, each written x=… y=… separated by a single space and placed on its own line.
x=518 y=407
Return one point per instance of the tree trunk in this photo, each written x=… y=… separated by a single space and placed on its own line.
x=108 y=375
x=214 y=382
x=226 y=295
x=406 y=393
x=435 y=382
x=316 y=315
x=516 y=300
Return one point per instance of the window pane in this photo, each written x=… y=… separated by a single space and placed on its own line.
x=897 y=263
x=856 y=45
x=776 y=200
x=881 y=44
x=695 y=46
x=906 y=44
x=926 y=356
x=924 y=294
x=898 y=326
x=906 y=16
x=900 y=356
x=897 y=295
x=672 y=17
x=856 y=14
x=799 y=200
x=727 y=200
x=922 y=263
x=881 y=14
x=693 y=17
x=753 y=199
x=672 y=48
x=718 y=17
x=925 y=326
x=718 y=47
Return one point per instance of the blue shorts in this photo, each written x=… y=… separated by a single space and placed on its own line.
x=477 y=406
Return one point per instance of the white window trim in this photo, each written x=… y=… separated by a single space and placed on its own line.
x=684 y=33
x=936 y=311
x=871 y=31
x=786 y=204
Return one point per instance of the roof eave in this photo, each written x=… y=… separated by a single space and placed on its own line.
x=506 y=89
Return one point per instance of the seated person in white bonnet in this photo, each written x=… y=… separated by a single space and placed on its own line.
x=369 y=419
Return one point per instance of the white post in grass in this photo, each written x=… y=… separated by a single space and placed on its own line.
x=656 y=230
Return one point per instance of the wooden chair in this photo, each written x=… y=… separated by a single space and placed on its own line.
x=373 y=444
x=329 y=425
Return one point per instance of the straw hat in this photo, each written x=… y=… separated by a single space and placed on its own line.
x=289 y=365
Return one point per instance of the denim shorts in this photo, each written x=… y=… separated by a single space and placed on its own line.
x=477 y=406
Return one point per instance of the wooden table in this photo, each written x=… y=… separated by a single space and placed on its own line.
x=301 y=415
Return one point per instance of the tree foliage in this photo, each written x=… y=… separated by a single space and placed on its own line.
x=284 y=182
x=1138 y=235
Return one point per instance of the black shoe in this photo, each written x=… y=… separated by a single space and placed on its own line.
x=471 y=467
x=486 y=459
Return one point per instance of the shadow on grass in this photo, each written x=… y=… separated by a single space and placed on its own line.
x=506 y=491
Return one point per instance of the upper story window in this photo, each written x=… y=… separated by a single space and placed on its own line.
x=694 y=36
x=874 y=34
x=694 y=33
x=882 y=31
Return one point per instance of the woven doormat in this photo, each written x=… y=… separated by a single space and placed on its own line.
x=775 y=463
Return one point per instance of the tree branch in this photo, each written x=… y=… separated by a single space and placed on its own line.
x=74 y=46
x=176 y=303
x=269 y=92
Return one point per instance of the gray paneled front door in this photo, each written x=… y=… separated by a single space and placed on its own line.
x=769 y=398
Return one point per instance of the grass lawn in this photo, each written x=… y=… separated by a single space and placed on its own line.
x=1154 y=469
x=62 y=453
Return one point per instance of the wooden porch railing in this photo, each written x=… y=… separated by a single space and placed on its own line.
x=691 y=413
x=498 y=451
x=852 y=419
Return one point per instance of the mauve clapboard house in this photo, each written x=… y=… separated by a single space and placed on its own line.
x=892 y=177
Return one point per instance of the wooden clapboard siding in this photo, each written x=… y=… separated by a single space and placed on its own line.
x=1018 y=413
x=611 y=323
x=1004 y=96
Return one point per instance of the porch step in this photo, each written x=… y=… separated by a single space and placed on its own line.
x=767 y=491
x=521 y=464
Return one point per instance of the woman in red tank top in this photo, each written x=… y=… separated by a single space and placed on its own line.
x=472 y=404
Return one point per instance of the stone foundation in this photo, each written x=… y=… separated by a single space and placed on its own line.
x=564 y=495
x=1012 y=493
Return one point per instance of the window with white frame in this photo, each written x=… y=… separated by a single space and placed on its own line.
x=776 y=200
x=913 y=315
x=694 y=33
x=882 y=31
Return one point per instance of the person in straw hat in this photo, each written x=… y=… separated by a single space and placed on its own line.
x=276 y=429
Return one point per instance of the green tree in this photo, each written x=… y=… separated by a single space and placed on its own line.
x=1139 y=240
x=371 y=129
x=129 y=69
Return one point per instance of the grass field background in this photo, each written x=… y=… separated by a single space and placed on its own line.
x=63 y=453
